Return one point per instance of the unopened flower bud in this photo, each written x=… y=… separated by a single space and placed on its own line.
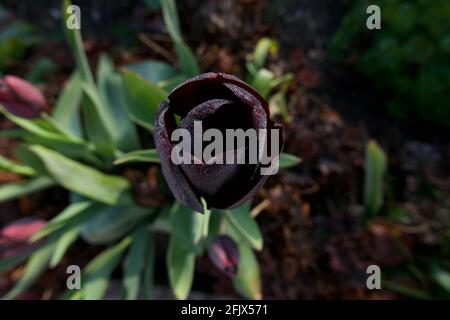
x=224 y=254
x=21 y=98
x=14 y=237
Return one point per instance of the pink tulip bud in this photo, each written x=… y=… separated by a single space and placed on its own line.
x=224 y=254
x=14 y=237
x=22 y=229
x=20 y=97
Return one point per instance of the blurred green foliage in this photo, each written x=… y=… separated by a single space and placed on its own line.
x=409 y=56
x=374 y=169
x=15 y=39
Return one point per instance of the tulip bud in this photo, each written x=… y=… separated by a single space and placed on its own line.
x=21 y=98
x=14 y=237
x=224 y=254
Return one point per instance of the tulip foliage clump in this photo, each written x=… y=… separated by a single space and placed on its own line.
x=102 y=125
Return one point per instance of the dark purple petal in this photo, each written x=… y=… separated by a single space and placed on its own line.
x=207 y=179
x=224 y=254
x=204 y=110
x=210 y=180
x=206 y=87
x=219 y=182
x=245 y=185
x=174 y=175
x=260 y=116
x=258 y=180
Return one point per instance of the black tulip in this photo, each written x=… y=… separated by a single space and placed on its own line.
x=220 y=101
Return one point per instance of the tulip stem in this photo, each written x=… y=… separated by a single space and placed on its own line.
x=207 y=215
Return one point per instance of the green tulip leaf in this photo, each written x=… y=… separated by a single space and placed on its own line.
x=96 y=275
x=142 y=99
x=17 y=189
x=375 y=169
x=288 y=160
x=82 y=179
x=241 y=220
x=150 y=156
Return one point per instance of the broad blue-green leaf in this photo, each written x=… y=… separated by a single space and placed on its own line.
x=186 y=58
x=44 y=126
x=34 y=268
x=153 y=70
x=262 y=81
x=71 y=215
x=375 y=169
x=111 y=223
x=10 y=166
x=17 y=189
x=158 y=72
x=45 y=131
x=187 y=228
x=39 y=127
x=111 y=91
x=240 y=219
x=149 y=266
x=12 y=262
x=149 y=155
x=142 y=99
x=180 y=265
x=170 y=84
x=75 y=41
x=97 y=273
x=188 y=62
x=288 y=160
x=441 y=276
x=248 y=279
x=82 y=179
x=13 y=133
x=162 y=222
x=96 y=121
x=48 y=123
x=84 y=151
x=134 y=263
x=187 y=225
x=215 y=224
x=170 y=14
x=67 y=108
x=68 y=237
